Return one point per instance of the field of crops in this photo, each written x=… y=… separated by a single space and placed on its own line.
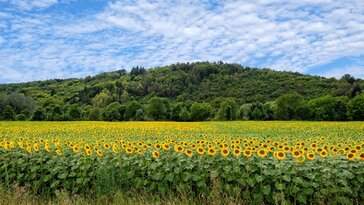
x=252 y=162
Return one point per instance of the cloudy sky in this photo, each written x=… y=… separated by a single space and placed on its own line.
x=45 y=39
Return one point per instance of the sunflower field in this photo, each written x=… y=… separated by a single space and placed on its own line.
x=254 y=162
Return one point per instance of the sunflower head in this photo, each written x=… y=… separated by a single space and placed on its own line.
x=200 y=150
x=155 y=154
x=188 y=152
x=99 y=153
x=225 y=152
x=361 y=156
x=350 y=156
x=211 y=151
x=262 y=153
x=247 y=153
x=296 y=154
x=311 y=156
x=59 y=152
x=178 y=148
x=280 y=155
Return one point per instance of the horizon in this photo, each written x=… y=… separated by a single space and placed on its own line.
x=51 y=39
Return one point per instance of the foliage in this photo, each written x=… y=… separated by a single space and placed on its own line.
x=356 y=108
x=287 y=106
x=228 y=110
x=218 y=84
x=201 y=111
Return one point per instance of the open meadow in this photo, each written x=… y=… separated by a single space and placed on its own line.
x=192 y=162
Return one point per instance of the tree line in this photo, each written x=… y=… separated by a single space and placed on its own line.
x=185 y=92
x=290 y=106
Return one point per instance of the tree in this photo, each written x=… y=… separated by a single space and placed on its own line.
x=131 y=109
x=112 y=112
x=9 y=113
x=355 y=90
x=228 y=110
x=74 y=112
x=184 y=115
x=348 y=78
x=328 y=108
x=287 y=105
x=244 y=111
x=19 y=102
x=38 y=114
x=94 y=114
x=356 y=108
x=158 y=108
x=257 y=112
x=102 y=99
x=21 y=117
x=201 y=111
x=119 y=89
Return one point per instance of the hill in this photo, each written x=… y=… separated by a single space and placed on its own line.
x=186 y=82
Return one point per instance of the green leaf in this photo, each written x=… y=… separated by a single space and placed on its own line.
x=62 y=176
x=55 y=184
x=302 y=198
x=177 y=170
x=79 y=180
x=279 y=186
x=266 y=189
x=287 y=178
x=259 y=178
x=170 y=177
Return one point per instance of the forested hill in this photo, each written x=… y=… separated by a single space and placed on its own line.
x=186 y=82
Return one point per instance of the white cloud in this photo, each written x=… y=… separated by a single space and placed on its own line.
x=283 y=35
x=31 y=4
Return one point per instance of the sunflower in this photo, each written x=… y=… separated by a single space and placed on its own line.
x=280 y=155
x=262 y=153
x=211 y=151
x=166 y=147
x=200 y=150
x=47 y=148
x=88 y=152
x=311 y=156
x=59 y=152
x=129 y=150
x=350 y=156
x=36 y=147
x=157 y=146
x=225 y=152
x=178 y=148
x=140 y=152
x=99 y=153
x=247 y=153
x=115 y=149
x=75 y=149
x=188 y=152
x=29 y=149
x=237 y=152
x=21 y=145
x=155 y=154
x=296 y=154
x=323 y=153
x=361 y=156
x=301 y=159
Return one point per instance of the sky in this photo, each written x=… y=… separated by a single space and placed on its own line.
x=48 y=39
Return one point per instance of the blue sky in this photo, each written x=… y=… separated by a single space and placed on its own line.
x=46 y=39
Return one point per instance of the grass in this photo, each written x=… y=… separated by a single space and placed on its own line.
x=17 y=195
